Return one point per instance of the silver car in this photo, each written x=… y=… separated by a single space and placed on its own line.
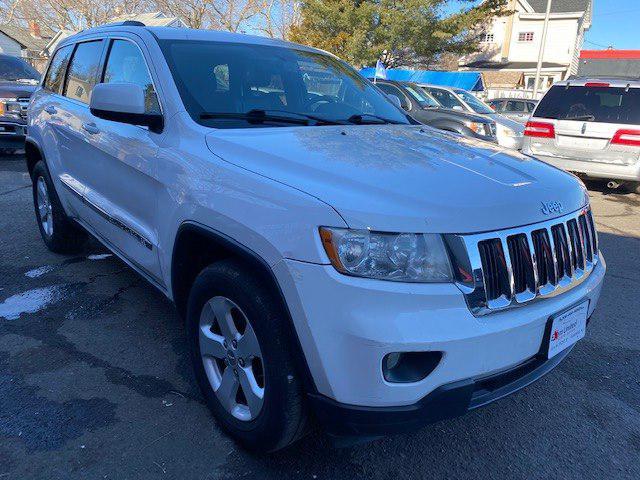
x=508 y=132
x=591 y=127
x=517 y=109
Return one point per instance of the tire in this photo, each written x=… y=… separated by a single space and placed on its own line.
x=282 y=415
x=59 y=233
x=634 y=187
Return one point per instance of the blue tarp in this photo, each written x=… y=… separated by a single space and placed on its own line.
x=471 y=81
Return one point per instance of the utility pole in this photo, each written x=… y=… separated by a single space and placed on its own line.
x=541 y=54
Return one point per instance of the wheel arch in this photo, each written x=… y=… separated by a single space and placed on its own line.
x=197 y=246
x=33 y=153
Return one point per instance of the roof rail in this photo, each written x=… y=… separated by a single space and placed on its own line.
x=126 y=23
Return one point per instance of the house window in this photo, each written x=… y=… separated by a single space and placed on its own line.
x=525 y=37
x=488 y=38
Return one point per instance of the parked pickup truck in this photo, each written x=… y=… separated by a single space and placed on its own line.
x=332 y=259
x=18 y=80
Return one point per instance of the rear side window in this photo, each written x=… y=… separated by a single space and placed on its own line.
x=514 y=107
x=83 y=71
x=57 y=68
x=591 y=104
x=126 y=64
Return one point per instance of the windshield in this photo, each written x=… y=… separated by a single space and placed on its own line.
x=233 y=85
x=591 y=104
x=445 y=98
x=14 y=68
x=474 y=102
x=422 y=97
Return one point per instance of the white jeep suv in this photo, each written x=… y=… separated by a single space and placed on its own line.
x=332 y=258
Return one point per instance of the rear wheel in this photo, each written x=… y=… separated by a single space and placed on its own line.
x=241 y=353
x=60 y=234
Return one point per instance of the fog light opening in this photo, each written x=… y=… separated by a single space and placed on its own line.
x=409 y=367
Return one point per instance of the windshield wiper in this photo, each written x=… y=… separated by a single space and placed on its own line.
x=368 y=118
x=582 y=118
x=260 y=116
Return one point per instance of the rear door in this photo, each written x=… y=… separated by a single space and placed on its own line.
x=125 y=197
x=592 y=122
x=79 y=172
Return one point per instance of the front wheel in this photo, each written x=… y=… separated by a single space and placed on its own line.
x=241 y=352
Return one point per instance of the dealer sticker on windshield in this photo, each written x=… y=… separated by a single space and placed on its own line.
x=567 y=328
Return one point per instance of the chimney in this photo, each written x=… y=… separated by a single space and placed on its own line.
x=34 y=29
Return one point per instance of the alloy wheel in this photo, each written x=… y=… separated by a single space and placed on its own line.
x=45 y=209
x=232 y=358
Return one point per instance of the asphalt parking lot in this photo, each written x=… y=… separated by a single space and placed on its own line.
x=95 y=381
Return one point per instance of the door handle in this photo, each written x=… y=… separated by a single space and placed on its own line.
x=50 y=109
x=90 y=128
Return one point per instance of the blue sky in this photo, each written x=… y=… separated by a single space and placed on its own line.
x=615 y=22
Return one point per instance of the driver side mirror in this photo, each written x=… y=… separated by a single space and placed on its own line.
x=124 y=103
x=395 y=100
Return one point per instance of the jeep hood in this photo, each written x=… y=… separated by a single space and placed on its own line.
x=404 y=178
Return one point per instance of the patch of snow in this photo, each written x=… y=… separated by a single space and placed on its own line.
x=30 y=301
x=100 y=256
x=38 y=272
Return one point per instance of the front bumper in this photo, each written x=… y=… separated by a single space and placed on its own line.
x=448 y=401
x=595 y=169
x=12 y=132
x=347 y=325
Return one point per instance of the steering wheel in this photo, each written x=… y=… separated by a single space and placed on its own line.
x=316 y=102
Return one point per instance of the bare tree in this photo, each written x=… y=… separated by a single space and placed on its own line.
x=67 y=14
x=276 y=17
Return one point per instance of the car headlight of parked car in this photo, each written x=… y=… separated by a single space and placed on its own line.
x=399 y=257
x=9 y=106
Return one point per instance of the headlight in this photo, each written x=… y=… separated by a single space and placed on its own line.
x=8 y=105
x=475 y=126
x=399 y=257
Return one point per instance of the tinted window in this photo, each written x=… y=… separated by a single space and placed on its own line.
x=591 y=104
x=224 y=79
x=514 y=107
x=445 y=98
x=126 y=64
x=83 y=71
x=393 y=90
x=14 y=69
x=530 y=106
x=57 y=68
x=475 y=103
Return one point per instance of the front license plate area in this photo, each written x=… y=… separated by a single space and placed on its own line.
x=567 y=328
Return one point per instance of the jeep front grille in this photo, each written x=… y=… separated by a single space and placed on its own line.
x=507 y=268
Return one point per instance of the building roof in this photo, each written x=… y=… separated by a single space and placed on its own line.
x=489 y=65
x=151 y=19
x=560 y=6
x=23 y=36
x=611 y=54
x=616 y=63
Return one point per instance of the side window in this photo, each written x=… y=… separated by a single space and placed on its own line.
x=514 y=107
x=126 y=64
x=392 y=90
x=83 y=71
x=57 y=68
x=530 y=107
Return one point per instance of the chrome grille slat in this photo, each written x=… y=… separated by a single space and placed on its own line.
x=513 y=267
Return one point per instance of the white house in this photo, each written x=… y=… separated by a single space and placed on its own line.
x=512 y=43
x=25 y=42
x=150 y=19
